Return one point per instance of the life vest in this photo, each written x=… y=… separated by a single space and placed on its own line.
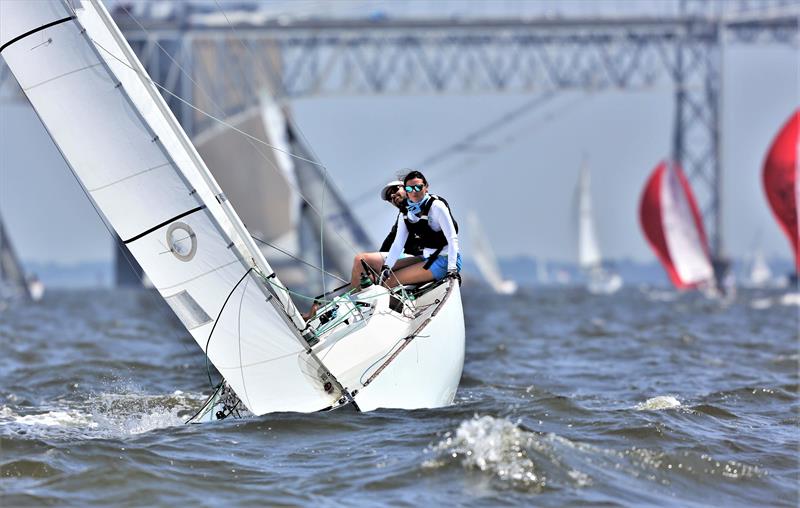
x=421 y=231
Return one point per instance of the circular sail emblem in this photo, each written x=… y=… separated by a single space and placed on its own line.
x=182 y=241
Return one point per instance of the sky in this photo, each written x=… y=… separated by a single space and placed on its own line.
x=522 y=191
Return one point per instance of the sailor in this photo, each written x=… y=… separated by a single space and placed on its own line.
x=394 y=193
x=428 y=219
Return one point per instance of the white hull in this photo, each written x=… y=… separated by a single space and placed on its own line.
x=383 y=369
x=602 y=282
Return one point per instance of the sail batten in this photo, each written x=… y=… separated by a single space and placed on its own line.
x=134 y=161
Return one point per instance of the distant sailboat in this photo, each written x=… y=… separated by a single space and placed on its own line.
x=483 y=256
x=600 y=280
x=369 y=348
x=12 y=277
x=759 y=274
x=782 y=183
x=673 y=227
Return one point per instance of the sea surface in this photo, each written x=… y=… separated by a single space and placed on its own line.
x=646 y=397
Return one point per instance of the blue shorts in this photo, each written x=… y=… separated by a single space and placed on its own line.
x=439 y=266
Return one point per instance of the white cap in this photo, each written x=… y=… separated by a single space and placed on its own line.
x=393 y=183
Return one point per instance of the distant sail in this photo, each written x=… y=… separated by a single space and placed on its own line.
x=588 y=249
x=780 y=178
x=672 y=224
x=12 y=276
x=483 y=256
x=600 y=280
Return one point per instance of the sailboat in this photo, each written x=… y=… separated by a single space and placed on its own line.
x=782 y=181
x=673 y=227
x=12 y=277
x=483 y=256
x=141 y=171
x=759 y=274
x=14 y=284
x=600 y=280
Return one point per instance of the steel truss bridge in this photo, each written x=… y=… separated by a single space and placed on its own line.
x=221 y=66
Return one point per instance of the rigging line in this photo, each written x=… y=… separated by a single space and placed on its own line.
x=289 y=119
x=297 y=129
x=147 y=78
x=458 y=146
x=469 y=163
x=298 y=259
x=211 y=333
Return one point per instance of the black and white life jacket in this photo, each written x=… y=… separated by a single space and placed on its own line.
x=421 y=231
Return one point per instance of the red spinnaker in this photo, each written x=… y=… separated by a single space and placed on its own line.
x=673 y=226
x=780 y=181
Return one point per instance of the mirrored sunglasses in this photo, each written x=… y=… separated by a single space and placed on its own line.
x=416 y=188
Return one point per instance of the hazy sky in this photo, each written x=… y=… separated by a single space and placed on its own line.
x=523 y=191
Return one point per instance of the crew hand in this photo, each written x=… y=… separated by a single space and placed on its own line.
x=453 y=274
x=385 y=273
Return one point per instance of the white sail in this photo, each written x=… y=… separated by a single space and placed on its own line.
x=141 y=171
x=588 y=249
x=683 y=238
x=483 y=256
x=600 y=280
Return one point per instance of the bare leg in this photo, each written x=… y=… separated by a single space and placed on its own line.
x=373 y=259
x=413 y=274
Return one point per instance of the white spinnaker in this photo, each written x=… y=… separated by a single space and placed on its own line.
x=135 y=162
x=483 y=254
x=588 y=249
x=683 y=238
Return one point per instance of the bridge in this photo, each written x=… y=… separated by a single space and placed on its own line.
x=212 y=63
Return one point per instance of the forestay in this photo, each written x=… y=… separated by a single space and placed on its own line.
x=141 y=171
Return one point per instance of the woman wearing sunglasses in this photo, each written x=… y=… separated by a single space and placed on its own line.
x=428 y=219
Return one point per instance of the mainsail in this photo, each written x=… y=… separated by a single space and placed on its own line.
x=672 y=225
x=12 y=276
x=781 y=182
x=139 y=168
x=483 y=256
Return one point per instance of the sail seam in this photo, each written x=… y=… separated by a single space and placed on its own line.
x=161 y=225
x=35 y=30
x=49 y=80
x=138 y=173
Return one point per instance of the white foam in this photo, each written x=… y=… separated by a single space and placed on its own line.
x=658 y=403
x=493 y=445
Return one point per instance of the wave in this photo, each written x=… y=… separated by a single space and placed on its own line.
x=659 y=403
x=523 y=459
x=101 y=416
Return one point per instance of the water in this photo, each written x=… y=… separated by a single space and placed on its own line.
x=646 y=397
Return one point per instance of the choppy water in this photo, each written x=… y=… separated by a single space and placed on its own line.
x=646 y=397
